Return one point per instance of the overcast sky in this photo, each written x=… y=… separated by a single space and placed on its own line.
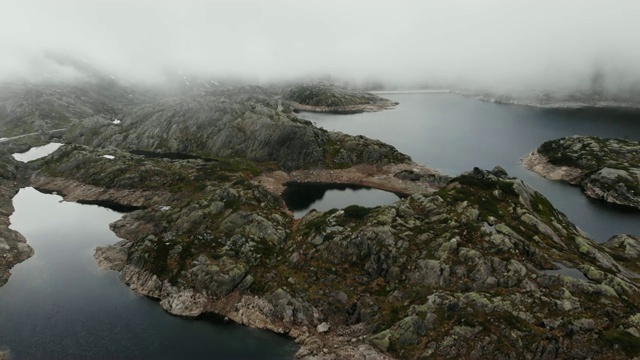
x=477 y=42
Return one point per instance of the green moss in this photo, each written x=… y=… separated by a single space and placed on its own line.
x=622 y=339
x=485 y=183
x=356 y=212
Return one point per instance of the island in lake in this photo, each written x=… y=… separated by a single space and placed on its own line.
x=606 y=169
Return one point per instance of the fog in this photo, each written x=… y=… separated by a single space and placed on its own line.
x=475 y=43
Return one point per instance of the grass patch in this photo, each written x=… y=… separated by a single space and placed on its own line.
x=622 y=339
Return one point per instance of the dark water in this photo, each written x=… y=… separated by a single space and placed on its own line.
x=58 y=304
x=301 y=198
x=455 y=133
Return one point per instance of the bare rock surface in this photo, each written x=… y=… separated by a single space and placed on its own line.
x=606 y=169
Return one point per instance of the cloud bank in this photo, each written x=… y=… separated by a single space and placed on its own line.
x=498 y=43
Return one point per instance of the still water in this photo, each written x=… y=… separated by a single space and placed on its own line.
x=301 y=198
x=59 y=304
x=455 y=133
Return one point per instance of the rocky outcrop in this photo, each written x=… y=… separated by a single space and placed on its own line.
x=606 y=169
x=232 y=125
x=460 y=271
x=5 y=353
x=13 y=246
x=328 y=98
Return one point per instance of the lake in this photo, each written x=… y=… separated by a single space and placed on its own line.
x=454 y=133
x=59 y=304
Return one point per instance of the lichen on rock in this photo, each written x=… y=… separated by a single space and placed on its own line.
x=606 y=169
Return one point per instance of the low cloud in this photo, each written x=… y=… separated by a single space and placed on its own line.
x=488 y=43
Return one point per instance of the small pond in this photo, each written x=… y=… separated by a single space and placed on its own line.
x=300 y=198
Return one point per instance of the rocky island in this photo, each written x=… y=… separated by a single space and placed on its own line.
x=606 y=169
x=475 y=266
x=327 y=98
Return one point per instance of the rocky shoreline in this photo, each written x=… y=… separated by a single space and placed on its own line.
x=403 y=179
x=325 y=98
x=556 y=100
x=343 y=110
x=437 y=274
x=560 y=103
x=606 y=169
x=539 y=164
x=13 y=246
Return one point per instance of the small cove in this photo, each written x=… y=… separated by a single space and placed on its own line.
x=59 y=304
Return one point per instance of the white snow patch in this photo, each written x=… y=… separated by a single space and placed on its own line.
x=164 y=208
x=116 y=122
x=110 y=157
x=37 y=152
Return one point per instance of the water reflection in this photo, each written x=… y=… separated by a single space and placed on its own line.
x=59 y=304
x=456 y=133
x=300 y=198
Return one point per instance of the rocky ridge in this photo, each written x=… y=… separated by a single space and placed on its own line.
x=468 y=270
x=245 y=124
x=327 y=98
x=606 y=169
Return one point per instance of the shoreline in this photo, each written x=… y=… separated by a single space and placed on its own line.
x=375 y=177
x=259 y=312
x=343 y=110
x=540 y=165
x=553 y=104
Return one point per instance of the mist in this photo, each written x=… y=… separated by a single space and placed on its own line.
x=500 y=44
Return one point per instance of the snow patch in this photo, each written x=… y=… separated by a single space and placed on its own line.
x=110 y=157
x=37 y=152
x=116 y=122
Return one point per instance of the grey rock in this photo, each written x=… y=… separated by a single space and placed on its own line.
x=323 y=328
